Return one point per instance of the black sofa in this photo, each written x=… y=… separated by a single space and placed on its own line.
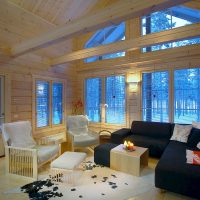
x=152 y=135
x=172 y=172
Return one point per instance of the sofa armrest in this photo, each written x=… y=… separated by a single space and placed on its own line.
x=117 y=137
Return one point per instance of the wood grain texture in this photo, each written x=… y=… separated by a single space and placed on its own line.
x=114 y=14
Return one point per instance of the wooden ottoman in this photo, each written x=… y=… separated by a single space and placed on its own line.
x=128 y=162
x=62 y=168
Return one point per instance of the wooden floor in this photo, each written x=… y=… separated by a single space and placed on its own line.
x=7 y=183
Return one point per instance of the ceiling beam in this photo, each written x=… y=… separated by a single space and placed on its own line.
x=172 y=35
x=113 y=14
x=143 y=59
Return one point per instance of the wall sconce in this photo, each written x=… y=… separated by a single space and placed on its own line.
x=133 y=86
x=133 y=83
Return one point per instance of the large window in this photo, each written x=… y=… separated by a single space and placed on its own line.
x=93 y=99
x=155 y=96
x=186 y=95
x=105 y=99
x=105 y=36
x=168 y=19
x=49 y=103
x=115 y=99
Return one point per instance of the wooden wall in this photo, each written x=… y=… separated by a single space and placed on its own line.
x=19 y=102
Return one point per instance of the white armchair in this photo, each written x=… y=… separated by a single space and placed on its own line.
x=77 y=127
x=23 y=155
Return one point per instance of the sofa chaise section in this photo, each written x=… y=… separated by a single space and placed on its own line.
x=174 y=174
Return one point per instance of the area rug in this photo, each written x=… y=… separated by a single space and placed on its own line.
x=95 y=182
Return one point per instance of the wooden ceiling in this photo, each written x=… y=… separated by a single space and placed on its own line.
x=24 y=19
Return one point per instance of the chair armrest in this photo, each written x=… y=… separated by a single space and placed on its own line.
x=19 y=158
x=93 y=133
x=118 y=136
x=20 y=149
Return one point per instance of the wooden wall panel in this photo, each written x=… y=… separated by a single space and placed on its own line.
x=21 y=96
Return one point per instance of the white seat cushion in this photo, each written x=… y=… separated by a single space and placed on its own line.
x=68 y=160
x=85 y=140
x=46 y=152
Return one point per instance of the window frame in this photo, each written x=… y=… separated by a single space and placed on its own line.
x=171 y=87
x=169 y=90
x=51 y=126
x=102 y=109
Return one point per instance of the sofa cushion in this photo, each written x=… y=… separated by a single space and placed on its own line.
x=156 y=147
x=194 y=138
x=193 y=157
x=151 y=129
x=196 y=125
x=174 y=174
x=181 y=133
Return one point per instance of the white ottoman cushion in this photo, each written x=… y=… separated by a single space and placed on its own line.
x=68 y=160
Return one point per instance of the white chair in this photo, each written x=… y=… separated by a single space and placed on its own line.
x=23 y=155
x=77 y=127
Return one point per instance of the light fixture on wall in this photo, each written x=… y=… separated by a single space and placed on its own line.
x=133 y=81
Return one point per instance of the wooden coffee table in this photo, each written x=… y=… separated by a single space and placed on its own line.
x=128 y=162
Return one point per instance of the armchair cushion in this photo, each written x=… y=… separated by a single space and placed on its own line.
x=77 y=126
x=85 y=140
x=18 y=134
x=45 y=152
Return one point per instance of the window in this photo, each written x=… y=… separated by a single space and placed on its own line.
x=42 y=103
x=57 y=103
x=105 y=36
x=163 y=20
x=113 y=97
x=155 y=96
x=49 y=105
x=186 y=95
x=93 y=98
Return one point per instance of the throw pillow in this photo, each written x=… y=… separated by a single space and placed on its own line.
x=194 y=138
x=198 y=145
x=181 y=133
x=196 y=125
x=193 y=157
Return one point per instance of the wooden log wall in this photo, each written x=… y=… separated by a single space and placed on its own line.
x=20 y=97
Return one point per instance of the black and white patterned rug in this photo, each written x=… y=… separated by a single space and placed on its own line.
x=95 y=182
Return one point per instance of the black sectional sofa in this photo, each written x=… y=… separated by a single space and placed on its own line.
x=152 y=135
x=172 y=172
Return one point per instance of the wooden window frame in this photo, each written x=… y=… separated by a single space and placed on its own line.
x=102 y=110
x=51 y=126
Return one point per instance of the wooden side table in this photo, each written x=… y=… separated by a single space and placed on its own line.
x=129 y=162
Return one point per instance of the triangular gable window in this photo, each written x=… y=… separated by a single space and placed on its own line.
x=105 y=36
